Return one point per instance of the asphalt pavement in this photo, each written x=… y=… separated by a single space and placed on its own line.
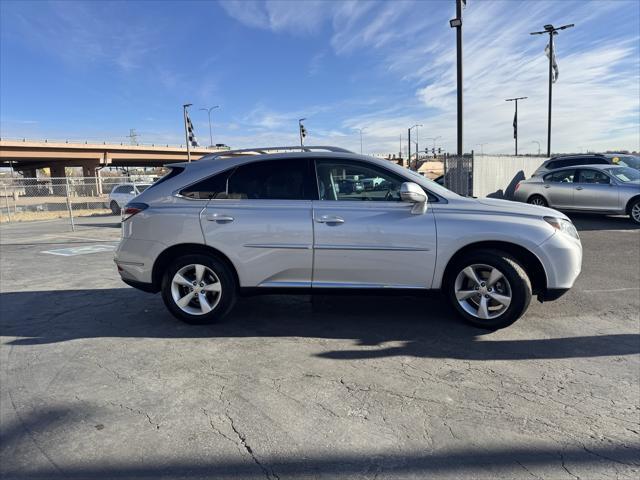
x=98 y=381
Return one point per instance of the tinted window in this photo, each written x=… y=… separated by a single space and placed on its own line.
x=592 y=176
x=267 y=180
x=356 y=181
x=564 y=176
x=551 y=165
x=142 y=188
x=272 y=180
x=212 y=187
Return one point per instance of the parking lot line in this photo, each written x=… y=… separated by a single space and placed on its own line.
x=611 y=290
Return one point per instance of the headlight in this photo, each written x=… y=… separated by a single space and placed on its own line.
x=565 y=226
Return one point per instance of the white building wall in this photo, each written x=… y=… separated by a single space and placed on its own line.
x=497 y=175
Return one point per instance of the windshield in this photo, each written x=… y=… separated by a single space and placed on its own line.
x=142 y=186
x=624 y=174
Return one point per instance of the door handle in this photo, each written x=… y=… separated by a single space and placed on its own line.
x=218 y=218
x=547 y=186
x=330 y=219
x=579 y=188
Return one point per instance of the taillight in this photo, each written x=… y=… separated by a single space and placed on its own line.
x=131 y=209
x=517 y=187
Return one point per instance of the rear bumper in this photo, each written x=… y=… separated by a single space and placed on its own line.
x=145 y=287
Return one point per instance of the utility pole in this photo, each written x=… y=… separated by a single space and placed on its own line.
x=360 y=130
x=457 y=24
x=551 y=30
x=515 y=120
x=409 y=153
x=133 y=136
x=208 y=110
x=409 y=149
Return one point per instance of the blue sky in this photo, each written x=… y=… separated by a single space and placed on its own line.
x=93 y=70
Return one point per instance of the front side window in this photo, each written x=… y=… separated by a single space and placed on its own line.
x=287 y=179
x=356 y=181
x=593 y=176
x=565 y=176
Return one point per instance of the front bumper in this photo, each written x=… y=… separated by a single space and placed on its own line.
x=561 y=256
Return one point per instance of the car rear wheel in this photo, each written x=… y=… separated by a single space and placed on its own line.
x=198 y=289
x=115 y=208
x=634 y=211
x=489 y=289
x=538 y=200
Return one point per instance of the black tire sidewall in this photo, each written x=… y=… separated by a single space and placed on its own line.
x=636 y=202
x=227 y=280
x=513 y=272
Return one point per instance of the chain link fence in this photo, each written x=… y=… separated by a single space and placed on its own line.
x=72 y=198
x=458 y=174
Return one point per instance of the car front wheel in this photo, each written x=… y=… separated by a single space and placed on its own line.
x=198 y=289
x=634 y=211
x=489 y=289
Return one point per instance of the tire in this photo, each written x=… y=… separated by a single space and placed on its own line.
x=538 y=200
x=115 y=208
x=634 y=211
x=514 y=284
x=216 y=275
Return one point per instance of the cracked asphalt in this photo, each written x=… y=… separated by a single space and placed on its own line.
x=98 y=381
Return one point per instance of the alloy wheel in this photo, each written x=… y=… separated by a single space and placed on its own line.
x=537 y=201
x=196 y=289
x=483 y=291
x=635 y=212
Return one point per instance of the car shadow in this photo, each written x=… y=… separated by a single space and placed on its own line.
x=423 y=326
x=587 y=222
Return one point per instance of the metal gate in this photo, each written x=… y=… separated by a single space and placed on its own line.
x=458 y=174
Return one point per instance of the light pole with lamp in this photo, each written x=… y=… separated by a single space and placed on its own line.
x=535 y=141
x=360 y=130
x=208 y=110
x=409 y=142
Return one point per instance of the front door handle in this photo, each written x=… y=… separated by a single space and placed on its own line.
x=330 y=219
x=218 y=218
x=579 y=188
x=547 y=186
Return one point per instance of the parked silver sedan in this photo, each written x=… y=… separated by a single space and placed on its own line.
x=607 y=189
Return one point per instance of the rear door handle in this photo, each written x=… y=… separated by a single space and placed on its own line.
x=219 y=218
x=330 y=219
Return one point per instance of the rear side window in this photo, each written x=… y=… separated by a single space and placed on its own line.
x=124 y=189
x=565 y=176
x=271 y=180
x=262 y=180
x=593 y=176
x=173 y=172
x=551 y=165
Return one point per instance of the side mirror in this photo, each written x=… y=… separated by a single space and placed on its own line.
x=413 y=193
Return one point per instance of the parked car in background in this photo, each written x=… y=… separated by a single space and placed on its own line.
x=570 y=161
x=123 y=193
x=607 y=189
x=348 y=186
x=624 y=160
x=234 y=223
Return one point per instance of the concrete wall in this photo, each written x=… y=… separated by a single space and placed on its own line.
x=496 y=176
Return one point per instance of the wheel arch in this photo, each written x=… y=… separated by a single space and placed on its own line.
x=631 y=201
x=529 y=261
x=168 y=255
x=537 y=194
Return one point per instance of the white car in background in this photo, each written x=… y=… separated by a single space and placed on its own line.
x=123 y=193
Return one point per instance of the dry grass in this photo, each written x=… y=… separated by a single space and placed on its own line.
x=33 y=216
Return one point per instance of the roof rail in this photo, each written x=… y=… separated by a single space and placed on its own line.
x=266 y=150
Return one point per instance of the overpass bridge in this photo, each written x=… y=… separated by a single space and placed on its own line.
x=26 y=156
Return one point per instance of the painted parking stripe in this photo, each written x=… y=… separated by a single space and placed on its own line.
x=72 y=251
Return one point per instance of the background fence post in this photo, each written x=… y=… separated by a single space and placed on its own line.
x=6 y=198
x=73 y=227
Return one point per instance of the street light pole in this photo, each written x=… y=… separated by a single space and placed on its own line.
x=457 y=24
x=515 y=119
x=409 y=153
x=360 y=130
x=208 y=110
x=551 y=30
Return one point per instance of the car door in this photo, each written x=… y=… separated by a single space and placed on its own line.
x=595 y=190
x=369 y=238
x=259 y=216
x=558 y=188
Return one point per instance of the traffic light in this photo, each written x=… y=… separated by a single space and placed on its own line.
x=303 y=131
x=439 y=150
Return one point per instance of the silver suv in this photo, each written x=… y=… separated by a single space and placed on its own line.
x=259 y=222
